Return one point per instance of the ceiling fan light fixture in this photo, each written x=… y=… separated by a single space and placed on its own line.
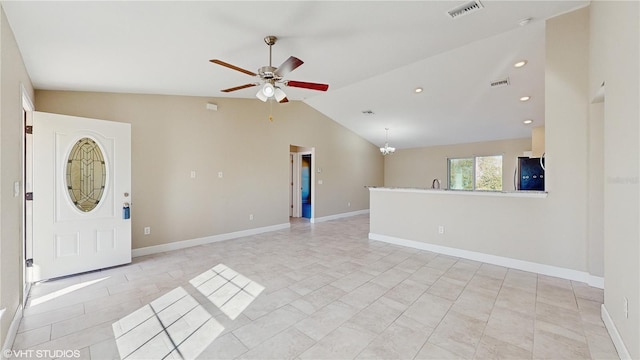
x=268 y=90
x=260 y=95
x=279 y=94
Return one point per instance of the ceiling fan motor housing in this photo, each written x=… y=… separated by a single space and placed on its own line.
x=267 y=72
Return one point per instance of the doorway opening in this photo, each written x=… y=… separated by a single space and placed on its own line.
x=301 y=182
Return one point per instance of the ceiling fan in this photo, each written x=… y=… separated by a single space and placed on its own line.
x=271 y=77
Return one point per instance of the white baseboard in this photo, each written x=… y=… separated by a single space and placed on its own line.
x=339 y=216
x=205 y=240
x=595 y=281
x=13 y=330
x=623 y=353
x=543 y=269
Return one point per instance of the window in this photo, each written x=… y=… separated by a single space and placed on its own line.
x=476 y=173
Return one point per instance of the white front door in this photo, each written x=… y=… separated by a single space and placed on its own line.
x=81 y=183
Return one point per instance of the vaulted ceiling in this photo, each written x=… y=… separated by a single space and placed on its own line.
x=373 y=54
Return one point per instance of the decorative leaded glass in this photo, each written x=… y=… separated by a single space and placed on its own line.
x=86 y=174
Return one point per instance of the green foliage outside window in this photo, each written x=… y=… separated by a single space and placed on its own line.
x=461 y=174
x=476 y=173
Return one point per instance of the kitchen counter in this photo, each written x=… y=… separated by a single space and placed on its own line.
x=521 y=194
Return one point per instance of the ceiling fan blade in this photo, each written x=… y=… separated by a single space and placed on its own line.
x=219 y=62
x=239 y=87
x=288 y=66
x=285 y=100
x=307 y=85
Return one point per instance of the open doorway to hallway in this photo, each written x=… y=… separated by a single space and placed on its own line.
x=301 y=184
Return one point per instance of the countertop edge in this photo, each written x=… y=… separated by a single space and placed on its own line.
x=518 y=194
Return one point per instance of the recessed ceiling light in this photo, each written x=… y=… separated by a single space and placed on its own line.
x=528 y=121
x=525 y=98
x=418 y=90
x=524 y=22
x=520 y=64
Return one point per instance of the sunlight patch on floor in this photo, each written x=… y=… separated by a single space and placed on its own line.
x=173 y=326
x=69 y=289
x=230 y=291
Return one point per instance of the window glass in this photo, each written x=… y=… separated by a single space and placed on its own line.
x=489 y=173
x=476 y=173
x=86 y=174
x=461 y=174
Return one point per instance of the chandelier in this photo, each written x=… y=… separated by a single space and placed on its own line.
x=386 y=149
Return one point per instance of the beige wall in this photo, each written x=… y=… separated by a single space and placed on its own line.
x=12 y=75
x=537 y=141
x=614 y=57
x=418 y=167
x=173 y=135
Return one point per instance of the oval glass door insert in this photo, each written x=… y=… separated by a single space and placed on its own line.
x=86 y=174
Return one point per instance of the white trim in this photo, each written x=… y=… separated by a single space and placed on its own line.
x=27 y=178
x=205 y=240
x=595 y=281
x=623 y=353
x=339 y=216
x=519 y=194
x=26 y=100
x=13 y=330
x=543 y=269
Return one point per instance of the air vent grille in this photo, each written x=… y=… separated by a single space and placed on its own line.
x=367 y=112
x=501 y=82
x=464 y=9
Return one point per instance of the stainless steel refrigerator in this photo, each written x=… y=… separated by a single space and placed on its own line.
x=530 y=174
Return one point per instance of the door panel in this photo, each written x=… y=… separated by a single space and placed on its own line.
x=69 y=239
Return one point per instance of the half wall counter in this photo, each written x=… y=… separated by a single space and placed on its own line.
x=510 y=229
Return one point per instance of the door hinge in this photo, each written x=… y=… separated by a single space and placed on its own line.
x=29 y=262
x=28 y=129
x=28 y=196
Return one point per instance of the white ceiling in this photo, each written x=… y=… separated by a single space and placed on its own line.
x=372 y=53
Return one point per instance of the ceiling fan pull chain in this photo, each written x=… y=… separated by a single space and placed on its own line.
x=271 y=111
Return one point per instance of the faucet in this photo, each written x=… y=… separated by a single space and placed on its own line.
x=435 y=184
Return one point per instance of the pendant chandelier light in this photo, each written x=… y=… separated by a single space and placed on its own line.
x=387 y=150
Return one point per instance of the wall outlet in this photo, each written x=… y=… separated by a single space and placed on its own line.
x=441 y=229
x=220 y=174
x=626 y=308
x=349 y=204
x=147 y=230
x=193 y=174
x=250 y=216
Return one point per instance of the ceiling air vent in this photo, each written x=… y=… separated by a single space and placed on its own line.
x=367 y=112
x=464 y=9
x=501 y=82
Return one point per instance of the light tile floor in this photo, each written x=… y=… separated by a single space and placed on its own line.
x=315 y=291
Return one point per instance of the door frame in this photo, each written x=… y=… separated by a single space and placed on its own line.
x=27 y=174
x=296 y=169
